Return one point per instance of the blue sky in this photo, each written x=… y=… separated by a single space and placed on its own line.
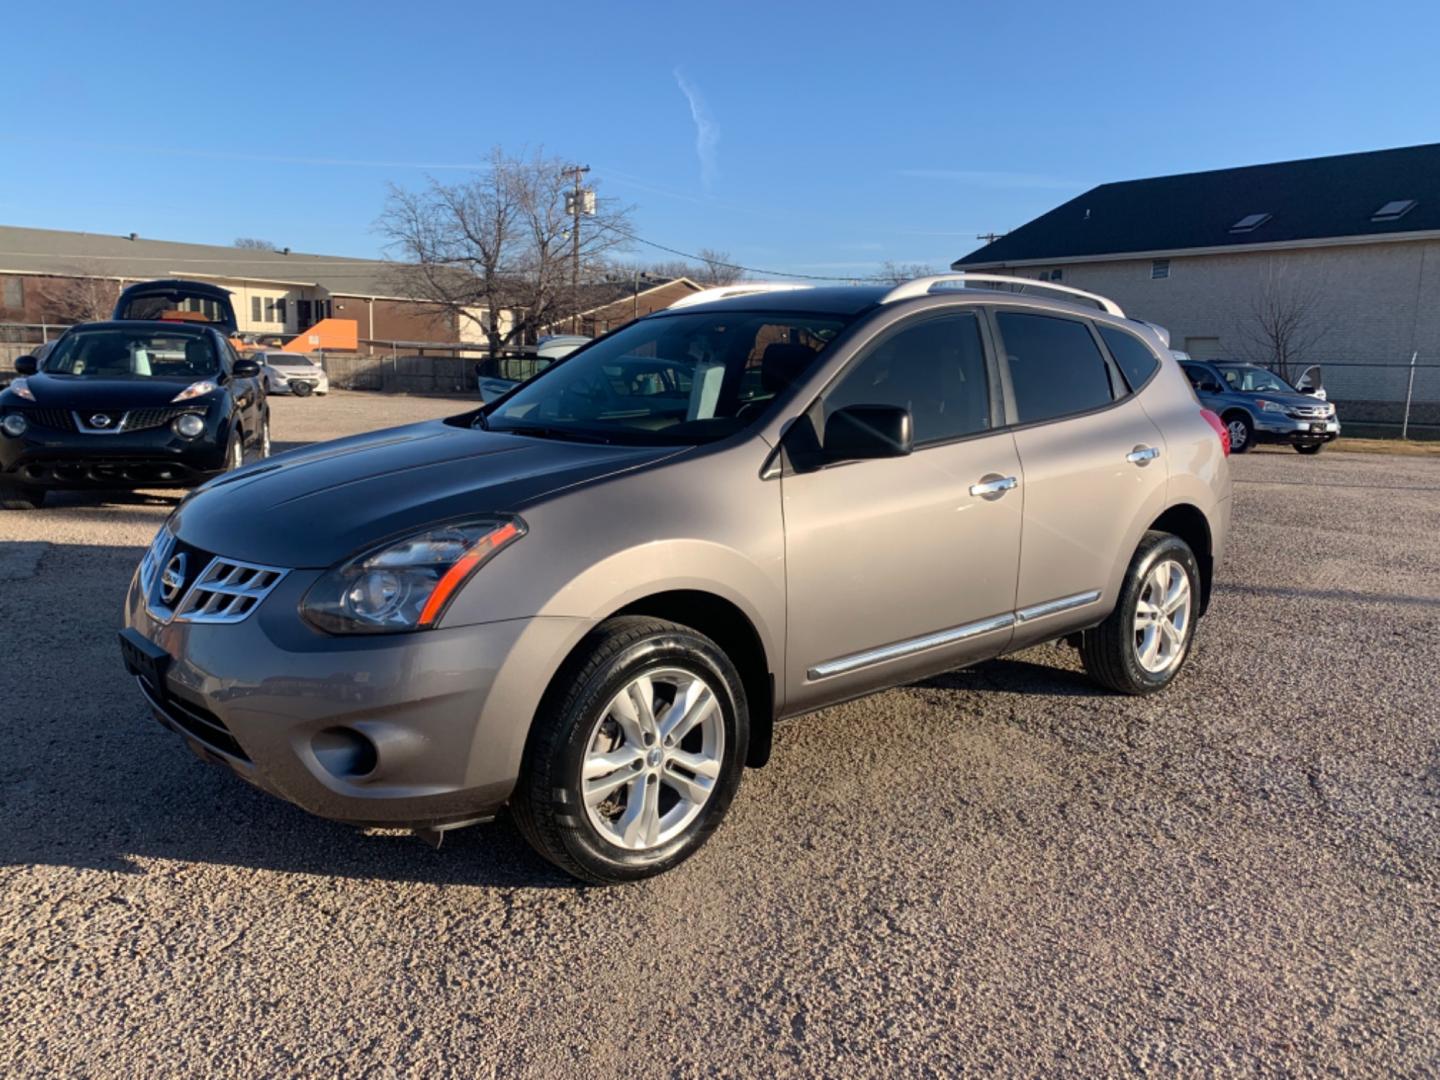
x=812 y=138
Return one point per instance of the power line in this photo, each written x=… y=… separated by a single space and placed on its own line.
x=727 y=265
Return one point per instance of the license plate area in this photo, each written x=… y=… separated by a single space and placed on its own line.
x=144 y=658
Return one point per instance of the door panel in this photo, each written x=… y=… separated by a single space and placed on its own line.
x=882 y=553
x=1086 y=504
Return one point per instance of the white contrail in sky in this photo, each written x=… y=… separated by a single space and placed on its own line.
x=707 y=131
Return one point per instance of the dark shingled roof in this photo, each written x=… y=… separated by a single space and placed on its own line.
x=1318 y=198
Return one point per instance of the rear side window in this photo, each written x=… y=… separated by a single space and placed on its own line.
x=1056 y=369
x=934 y=368
x=1136 y=361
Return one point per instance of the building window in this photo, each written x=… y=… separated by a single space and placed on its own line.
x=13 y=296
x=280 y=310
x=254 y=309
x=1159 y=269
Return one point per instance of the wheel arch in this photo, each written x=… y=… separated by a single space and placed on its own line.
x=1190 y=524
x=730 y=628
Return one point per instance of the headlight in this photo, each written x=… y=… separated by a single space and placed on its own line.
x=406 y=584
x=188 y=425
x=194 y=390
x=1269 y=406
x=13 y=425
x=22 y=389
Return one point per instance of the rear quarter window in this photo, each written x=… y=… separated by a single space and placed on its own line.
x=1137 y=363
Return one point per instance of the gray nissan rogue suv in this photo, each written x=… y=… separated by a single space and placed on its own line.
x=591 y=600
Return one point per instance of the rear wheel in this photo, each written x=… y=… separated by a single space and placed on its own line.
x=636 y=752
x=234 y=452
x=1308 y=448
x=1242 y=432
x=261 y=449
x=20 y=496
x=1144 y=643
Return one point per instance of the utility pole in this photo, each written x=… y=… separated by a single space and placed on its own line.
x=990 y=237
x=581 y=201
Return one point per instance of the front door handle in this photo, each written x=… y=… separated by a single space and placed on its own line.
x=1142 y=455
x=992 y=486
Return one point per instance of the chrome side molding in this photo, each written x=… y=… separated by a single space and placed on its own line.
x=855 y=661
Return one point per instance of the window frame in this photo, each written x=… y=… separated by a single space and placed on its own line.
x=1113 y=372
x=993 y=389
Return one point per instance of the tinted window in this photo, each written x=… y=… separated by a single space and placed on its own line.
x=1055 y=367
x=1201 y=379
x=935 y=368
x=132 y=354
x=1136 y=361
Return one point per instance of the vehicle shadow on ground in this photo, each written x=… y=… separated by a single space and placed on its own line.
x=1015 y=676
x=90 y=779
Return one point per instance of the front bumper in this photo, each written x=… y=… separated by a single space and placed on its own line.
x=1280 y=428
x=48 y=458
x=445 y=712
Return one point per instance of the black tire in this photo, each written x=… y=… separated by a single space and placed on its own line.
x=20 y=497
x=1308 y=448
x=1239 y=421
x=261 y=449
x=547 y=804
x=1109 y=651
x=234 y=451
x=301 y=389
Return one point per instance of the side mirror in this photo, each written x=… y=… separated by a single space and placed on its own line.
x=26 y=365
x=868 y=431
x=245 y=369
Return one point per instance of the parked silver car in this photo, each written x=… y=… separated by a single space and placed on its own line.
x=293 y=373
x=592 y=601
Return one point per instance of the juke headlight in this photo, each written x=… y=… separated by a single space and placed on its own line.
x=406 y=584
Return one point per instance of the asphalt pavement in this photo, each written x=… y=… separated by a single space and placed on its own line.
x=1001 y=869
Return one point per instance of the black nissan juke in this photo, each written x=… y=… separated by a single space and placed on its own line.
x=129 y=404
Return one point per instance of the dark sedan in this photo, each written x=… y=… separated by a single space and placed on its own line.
x=131 y=404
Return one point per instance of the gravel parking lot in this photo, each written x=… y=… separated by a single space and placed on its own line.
x=998 y=869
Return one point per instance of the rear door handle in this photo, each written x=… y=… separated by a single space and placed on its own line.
x=1143 y=455
x=992 y=486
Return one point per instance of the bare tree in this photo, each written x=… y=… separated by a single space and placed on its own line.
x=87 y=298
x=1287 y=316
x=894 y=273
x=716 y=268
x=251 y=243
x=494 y=250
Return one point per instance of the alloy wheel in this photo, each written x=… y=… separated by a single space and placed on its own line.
x=653 y=758
x=1238 y=434
x=1162 y=616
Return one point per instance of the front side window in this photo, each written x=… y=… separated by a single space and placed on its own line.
x=934 y=368
x=1055 y=367
x=1249 y=379
x=132 y=354
x=1137 y=363
x=675 y=379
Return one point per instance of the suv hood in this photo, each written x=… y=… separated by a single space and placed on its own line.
x=1289 y=398
x=106 y=395
x=312 y=508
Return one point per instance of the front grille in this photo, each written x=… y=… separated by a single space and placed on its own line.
x=145 y=419
x=194 y=720
x=227 y=591
x=55 y=419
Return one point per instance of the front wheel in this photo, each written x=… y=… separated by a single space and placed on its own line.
x=636 y=752
x=1144 y=643
x=1308 y=448
x=1242 y=432
x=20 y=496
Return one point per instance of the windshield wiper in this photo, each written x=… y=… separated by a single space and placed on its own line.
x=541 y=431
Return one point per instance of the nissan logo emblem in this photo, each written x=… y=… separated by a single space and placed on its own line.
x=172 y=580
x=100 y=420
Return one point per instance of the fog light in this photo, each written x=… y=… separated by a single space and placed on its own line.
x=345 y=753
x=13 y=425
x=189 y=425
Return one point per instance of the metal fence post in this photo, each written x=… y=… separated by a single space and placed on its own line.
x=1409 y=394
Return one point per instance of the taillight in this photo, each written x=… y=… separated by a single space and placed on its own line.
x=1220 y=429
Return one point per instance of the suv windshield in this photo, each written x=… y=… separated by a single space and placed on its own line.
x=676 y=379
x=133 y=354
x=1250 y=379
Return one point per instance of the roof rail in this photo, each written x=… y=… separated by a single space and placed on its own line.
x=926 y=285
x=744 y=288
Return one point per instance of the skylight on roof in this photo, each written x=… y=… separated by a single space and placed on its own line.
x=1394 y=210
x=1250 y=222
